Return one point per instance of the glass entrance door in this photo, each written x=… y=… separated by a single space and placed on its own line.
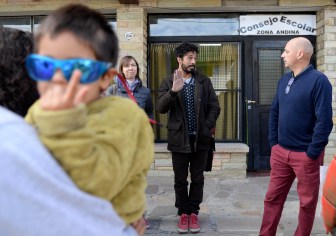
x=221 y=63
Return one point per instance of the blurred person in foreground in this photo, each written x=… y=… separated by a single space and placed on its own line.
x=105 y=144
x=37 y=196
x=299 y=126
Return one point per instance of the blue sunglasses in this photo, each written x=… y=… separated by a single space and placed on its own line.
x=43 y=68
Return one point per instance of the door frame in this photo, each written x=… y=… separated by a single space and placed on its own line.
x=248 y=79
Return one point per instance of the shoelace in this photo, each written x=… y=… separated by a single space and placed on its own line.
x=130 y=95
x=184 y=220
x=194 y=219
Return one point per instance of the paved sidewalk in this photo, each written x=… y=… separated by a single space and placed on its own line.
x=230 y=207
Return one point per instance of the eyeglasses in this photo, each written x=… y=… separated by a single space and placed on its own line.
x=290 y=82
x=42 y=68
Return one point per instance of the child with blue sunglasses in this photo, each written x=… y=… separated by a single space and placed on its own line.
x=105 y=144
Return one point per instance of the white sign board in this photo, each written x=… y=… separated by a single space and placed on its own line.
x=277 y=25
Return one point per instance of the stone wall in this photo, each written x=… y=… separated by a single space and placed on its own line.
x=326 y=62
x=230 y=161
x=132 y=34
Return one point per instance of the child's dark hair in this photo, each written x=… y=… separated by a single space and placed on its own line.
x=184 y=48
x=17 y=91
x=87 y=25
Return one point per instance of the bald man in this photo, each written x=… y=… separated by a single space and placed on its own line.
x=299 y=125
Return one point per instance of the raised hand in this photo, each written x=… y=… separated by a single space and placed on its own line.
x=60 y=95
x=178 y=81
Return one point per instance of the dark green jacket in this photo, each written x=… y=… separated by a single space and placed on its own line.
x=207 y=111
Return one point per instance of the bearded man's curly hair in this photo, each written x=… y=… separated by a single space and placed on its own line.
x=184 y=48
x=17 y=91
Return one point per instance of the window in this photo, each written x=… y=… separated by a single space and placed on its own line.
x=112 y=22
x=194 y=25
x=21 y=23
x=36 y=22
x=220 y=62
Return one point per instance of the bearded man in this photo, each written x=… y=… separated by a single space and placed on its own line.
x=191 y=102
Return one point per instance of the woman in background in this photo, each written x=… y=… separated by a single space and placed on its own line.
x=129 y=68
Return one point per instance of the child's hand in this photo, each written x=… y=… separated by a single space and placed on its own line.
x=60 y=94
x=140 y=226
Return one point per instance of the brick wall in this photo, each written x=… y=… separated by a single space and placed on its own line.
x=230 y=161
x=133 y=21
x=326 y=62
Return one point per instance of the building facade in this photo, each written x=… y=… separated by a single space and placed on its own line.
x=240 y=45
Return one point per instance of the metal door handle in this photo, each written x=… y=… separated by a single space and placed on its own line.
x=250 y=102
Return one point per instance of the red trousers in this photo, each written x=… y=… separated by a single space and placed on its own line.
x=287 y=165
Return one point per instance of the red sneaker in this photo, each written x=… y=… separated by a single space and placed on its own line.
x=194 y=225
x=147 y=223
x=182 y=225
